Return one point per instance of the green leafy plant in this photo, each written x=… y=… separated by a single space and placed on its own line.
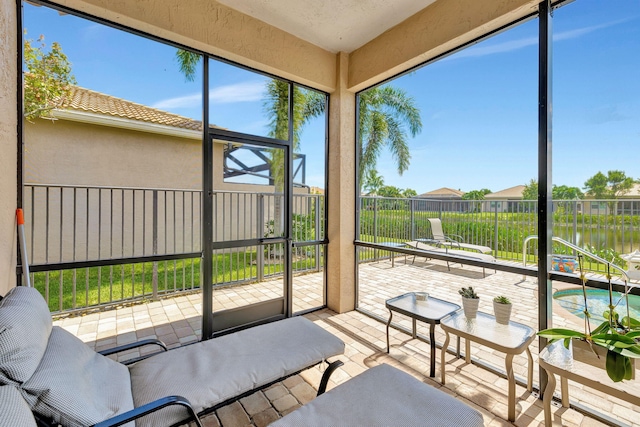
x=47 y=79
x=468 y=293
x=501 y=299
x=620 y=336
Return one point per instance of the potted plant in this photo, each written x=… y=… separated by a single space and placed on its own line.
x=619 y=337
x=470 y=301
x=502 y=309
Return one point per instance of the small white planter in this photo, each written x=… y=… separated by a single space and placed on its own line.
x=502 y=312
x=470 y=307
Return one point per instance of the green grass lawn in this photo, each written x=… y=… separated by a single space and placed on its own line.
x=86 y=287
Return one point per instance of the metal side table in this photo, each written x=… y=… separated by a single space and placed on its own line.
x=510 y=339
x=429 y=311
x=555 y=359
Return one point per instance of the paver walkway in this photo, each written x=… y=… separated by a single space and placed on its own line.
x=177 y=321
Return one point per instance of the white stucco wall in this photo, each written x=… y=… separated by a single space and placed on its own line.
x=89 y=194
x=73 y=153
x=8 y=151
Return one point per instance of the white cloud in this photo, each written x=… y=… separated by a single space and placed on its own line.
x=188 y=101
x=579 y=32
x=92 y=32
x=512 y=45
x=497 y=48
x=239 y=92
x=605 y=114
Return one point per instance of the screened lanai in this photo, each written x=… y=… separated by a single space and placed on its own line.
x=252 y=226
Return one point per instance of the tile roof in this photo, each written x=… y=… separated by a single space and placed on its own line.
x=513 y=192
x=443 y=192
x=82 y=99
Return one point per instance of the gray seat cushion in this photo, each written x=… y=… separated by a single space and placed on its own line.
x=25 y=324
x=383 y=396
x=14 y=411
x=76 y=386
x=213 y=371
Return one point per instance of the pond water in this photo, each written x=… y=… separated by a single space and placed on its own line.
x=597 y=302
x=622 y=241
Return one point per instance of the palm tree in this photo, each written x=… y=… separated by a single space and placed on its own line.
x=384 y=111
x=409 y=193
x=307 y=104
x=373 y=182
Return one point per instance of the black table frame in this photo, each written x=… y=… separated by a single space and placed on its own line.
x=432 y=321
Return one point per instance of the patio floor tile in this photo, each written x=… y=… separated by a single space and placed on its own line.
x=177 y=321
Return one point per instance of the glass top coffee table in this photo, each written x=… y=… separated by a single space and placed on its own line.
x=429 y=311
x=510 y=339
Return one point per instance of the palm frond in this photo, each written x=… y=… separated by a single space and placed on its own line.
x=187 y=61
x=385 y=113
x=397 y=144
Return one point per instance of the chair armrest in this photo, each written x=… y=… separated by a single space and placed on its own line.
x=133 y=345
x=454 y=241
x=458 y=238
x=148 y=408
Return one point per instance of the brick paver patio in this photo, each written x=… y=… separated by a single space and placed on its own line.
x=177 y=321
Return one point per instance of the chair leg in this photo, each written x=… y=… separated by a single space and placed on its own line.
x=327 y=373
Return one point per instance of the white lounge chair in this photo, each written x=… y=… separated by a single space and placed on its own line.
x=447 y=250
x=440 y=238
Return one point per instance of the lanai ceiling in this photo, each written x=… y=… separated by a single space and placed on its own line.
x=334 y=25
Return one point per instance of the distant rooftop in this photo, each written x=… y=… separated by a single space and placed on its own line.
x=508 y=193
x=443 y=193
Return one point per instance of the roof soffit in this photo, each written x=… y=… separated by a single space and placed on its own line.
x=334 y=25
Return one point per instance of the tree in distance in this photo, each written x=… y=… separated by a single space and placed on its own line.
x=610 y=186
x=476 y=194
x=47 y=79
x=558 y=192
x=373 y=181
x=530 y=191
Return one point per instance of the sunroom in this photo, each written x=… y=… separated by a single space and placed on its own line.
x=154 y=211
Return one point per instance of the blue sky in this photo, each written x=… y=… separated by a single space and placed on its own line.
x=478 y=107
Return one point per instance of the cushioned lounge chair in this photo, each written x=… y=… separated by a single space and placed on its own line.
x=383 y=396
x=14 y=410
x=440 y=238
x=64 y=380
x=446 y=250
